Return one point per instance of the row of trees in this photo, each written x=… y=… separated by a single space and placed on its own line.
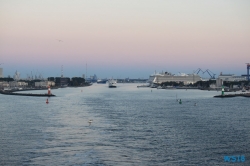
x=7 y=79
x=197 y=84
x=172 y=83
x=206 y=84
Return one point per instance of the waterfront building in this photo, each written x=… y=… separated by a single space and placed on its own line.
x=92 y=78
x=4 y=84
x=62 y=81
x=44 y=84
x=219 y=82
x=14 y=84
x=231 y=77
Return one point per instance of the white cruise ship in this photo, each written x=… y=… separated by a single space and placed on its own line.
x=168 y=77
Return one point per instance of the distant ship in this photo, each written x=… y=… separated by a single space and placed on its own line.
x=159 y=78
x=101 y=81
x=112 y=83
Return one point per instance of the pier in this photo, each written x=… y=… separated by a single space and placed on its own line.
x=233 y=95
x=49 y=94
x=27 y=94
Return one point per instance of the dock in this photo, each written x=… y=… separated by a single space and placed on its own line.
x=27 y=94
x=233 y=95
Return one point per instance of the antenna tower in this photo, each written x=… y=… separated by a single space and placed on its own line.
x=62 y=71
x=86 y=70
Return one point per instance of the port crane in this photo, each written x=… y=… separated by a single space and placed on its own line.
x=199 y=69
x=212 y=75
x=209 y=72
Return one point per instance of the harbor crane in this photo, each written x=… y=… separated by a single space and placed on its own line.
x=199 y=69
x=212 y=75
x=209 y=72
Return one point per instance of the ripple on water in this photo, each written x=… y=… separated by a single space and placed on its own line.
x=130 y=126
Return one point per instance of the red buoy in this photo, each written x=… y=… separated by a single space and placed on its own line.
x=47 y=101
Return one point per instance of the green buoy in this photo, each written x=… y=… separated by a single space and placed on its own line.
x=222 y=91
x=180 y=101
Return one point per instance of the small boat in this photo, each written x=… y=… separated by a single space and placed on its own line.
x=101 y=81
x=143 y=86
x=112 y=83
x=243 y=90
x=90 y=121
x=153 y=85
x=170 y=87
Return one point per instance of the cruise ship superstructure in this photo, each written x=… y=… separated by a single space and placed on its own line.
x=168 y=77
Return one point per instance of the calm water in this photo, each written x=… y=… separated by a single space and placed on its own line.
x=130 y=126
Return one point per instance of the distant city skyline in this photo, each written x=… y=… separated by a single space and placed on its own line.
x=69 y=73
x=124 y=38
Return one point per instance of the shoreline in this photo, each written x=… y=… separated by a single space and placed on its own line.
x=233 y=95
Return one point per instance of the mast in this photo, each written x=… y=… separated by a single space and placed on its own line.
x=62 y=71
x=86 y=70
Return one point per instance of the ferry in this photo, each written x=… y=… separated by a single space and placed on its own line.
x=112 y=83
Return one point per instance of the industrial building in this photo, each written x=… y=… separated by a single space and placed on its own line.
x=231 y=77
x=44 y=83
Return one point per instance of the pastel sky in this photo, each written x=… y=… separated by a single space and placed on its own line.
x=124 y=38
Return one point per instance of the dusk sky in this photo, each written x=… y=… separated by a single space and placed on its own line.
x=124 y=38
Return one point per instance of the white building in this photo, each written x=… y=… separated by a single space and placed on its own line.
x=219 y=82
x=4 y=84
x=231 y=77
x=13 y=84
x=228 y=77
x=44 y=83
